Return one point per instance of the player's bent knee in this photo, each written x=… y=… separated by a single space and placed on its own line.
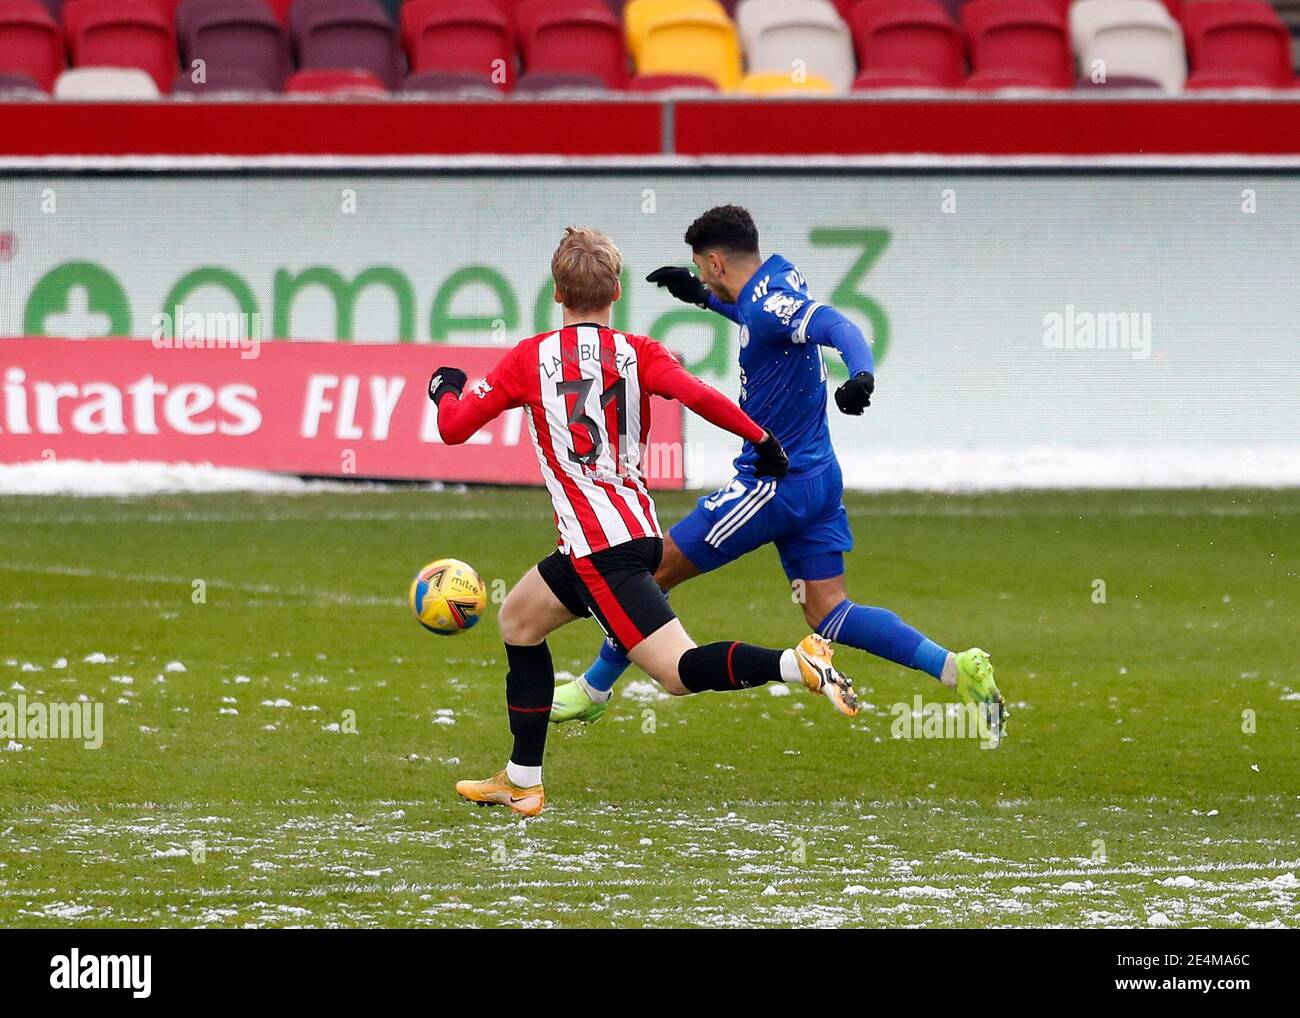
x=518 y=626
x=514 y=628
x=657 y=655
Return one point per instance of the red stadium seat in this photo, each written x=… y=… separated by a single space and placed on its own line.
x=334 y=81
x=30 y=42
x=166 y=9
x=123 y=33
x=671 y=83
x=906 y=44
x=572 y=37
x=460 y=35
x=1017 y=44
x=1236 y=44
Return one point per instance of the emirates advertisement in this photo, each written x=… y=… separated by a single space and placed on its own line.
x=314 y=409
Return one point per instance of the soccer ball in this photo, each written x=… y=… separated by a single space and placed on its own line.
x=447 y=597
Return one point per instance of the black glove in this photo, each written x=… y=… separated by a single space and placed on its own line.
x=854 y=396
x=446 y=380
x=682 y=284
x=772 y=460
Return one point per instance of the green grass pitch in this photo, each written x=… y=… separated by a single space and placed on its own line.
x=1134 y=789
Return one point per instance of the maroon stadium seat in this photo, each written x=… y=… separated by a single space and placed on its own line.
x=572 y=37
x=225 y=82
x=543 y=82
x=906 y=44
x=1017 y=44
x=671 y=82
x=1236 y=44
x=19 y=86
x=459 y=35
x=235 y=35
x=335 y=81
x=460 y=84
x=280 y=8
x=123 y=33
x=346 y=35
x=30 y=42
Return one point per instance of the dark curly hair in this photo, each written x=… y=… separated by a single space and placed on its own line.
x=725 y=228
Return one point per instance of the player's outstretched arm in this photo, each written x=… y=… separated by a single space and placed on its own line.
x=827 y=327
x=688 y=288
x=459 y=418
x=663 y=376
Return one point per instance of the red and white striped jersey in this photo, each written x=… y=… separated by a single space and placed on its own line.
x=586 y=392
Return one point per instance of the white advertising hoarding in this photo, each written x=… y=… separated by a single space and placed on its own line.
x=1031 y=328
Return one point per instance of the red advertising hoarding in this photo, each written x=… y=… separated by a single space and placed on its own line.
x=320 y=409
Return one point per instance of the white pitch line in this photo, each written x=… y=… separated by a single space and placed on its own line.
x=910 y=511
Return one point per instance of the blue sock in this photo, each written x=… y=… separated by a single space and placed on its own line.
x=605 y=670
x=879 y=631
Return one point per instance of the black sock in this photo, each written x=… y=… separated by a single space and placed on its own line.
x=530 y=687
x=727 y=665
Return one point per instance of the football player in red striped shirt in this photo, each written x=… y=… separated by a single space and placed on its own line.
x=585 y=389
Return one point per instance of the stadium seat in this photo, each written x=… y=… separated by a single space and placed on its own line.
x=1236 y=44
x=235 y=35
x=1129 y=38
x=1118 y=83
x=572 y=37
x=105 y=84
x=554 y=83
x=336 y=82
x=671 y=83
x=906 y=44
x=1017 y=44
x=123 y=33
x=778 y=35
x=166 y=9
x=30 y=42
x=684 y=37
x=775 y=83
x=223 y=83
x=455 y=84
x=346 y=35
x=464 y=36
x=19 y=86
x=280 y=8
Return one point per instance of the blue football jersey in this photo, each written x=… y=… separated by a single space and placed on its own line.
x=782 y=375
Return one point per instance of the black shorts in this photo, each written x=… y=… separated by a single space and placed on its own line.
x=616 y=585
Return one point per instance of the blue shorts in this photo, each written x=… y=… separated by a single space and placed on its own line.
x=804 y=517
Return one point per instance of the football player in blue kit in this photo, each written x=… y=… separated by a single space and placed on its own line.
x=783 y=332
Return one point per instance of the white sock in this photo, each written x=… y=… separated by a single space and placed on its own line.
x=790 y=671
x=524 y=777
x=949 y=676
x=594 y=695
